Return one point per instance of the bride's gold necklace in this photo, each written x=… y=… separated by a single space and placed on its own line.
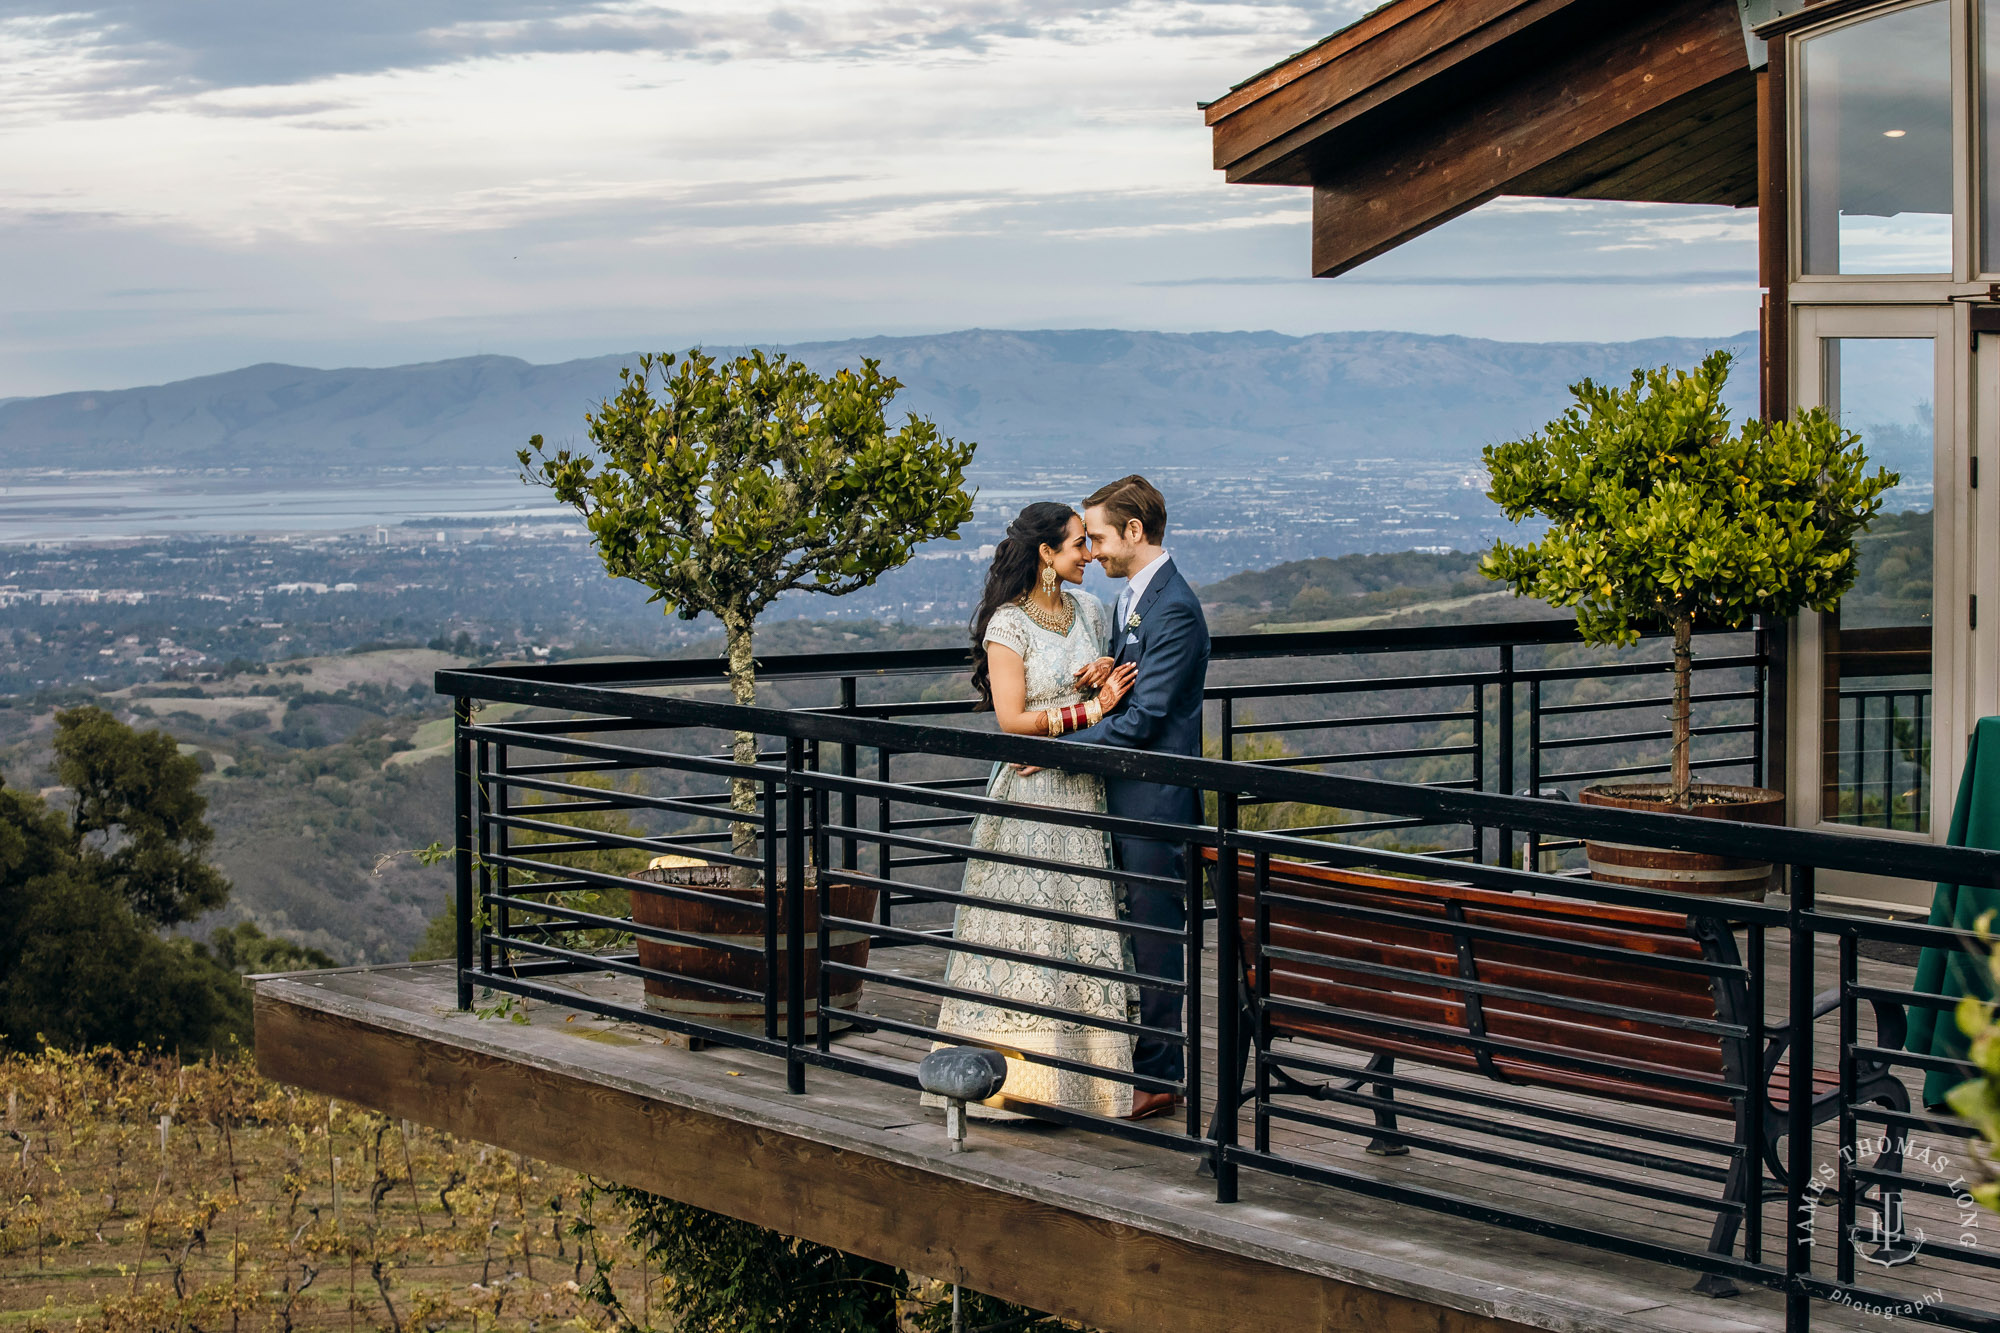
x=1055 y=622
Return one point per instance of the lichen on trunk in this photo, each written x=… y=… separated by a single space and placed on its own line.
x=742 y=791
x=1683 y=684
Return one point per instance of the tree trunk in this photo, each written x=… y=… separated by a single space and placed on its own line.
x=1683 y=681
x=742 y=793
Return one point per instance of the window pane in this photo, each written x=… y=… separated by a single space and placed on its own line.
x=1875 y=668
x=1877 y=145
x=1989 y=109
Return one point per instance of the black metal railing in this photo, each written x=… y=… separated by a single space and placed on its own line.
x=1598 y=1063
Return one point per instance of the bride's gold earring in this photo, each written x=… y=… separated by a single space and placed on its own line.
x=1048 y=580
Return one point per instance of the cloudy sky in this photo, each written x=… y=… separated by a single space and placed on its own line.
x=187 y=186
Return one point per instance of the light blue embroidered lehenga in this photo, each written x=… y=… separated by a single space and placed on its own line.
x=1051 y=660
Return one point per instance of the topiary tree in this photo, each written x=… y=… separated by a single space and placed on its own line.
x=739 y=481
x=1661 y=514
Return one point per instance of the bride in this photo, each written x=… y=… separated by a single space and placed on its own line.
x=1039 y=663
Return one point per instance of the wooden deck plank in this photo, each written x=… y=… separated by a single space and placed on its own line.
x=567 y=1090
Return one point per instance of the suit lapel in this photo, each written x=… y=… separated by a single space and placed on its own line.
x=1145 y=604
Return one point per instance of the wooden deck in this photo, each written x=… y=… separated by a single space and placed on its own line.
x=1118 y=1235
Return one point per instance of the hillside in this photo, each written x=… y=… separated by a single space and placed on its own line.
x=1029 y=398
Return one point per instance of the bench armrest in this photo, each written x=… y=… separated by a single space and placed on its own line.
x=1892 y=1025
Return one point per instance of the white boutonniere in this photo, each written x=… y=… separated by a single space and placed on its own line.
x=1132 y=621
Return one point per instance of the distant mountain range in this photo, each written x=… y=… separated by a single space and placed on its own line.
x=1029 y=398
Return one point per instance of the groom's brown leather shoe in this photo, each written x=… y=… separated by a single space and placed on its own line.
x=1148 y=1104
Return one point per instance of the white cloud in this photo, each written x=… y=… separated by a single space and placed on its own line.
x=425 y=179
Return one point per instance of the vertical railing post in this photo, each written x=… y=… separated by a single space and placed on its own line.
x=481 y=761
x=884 y=858
x=1758 y=1095
x=1228 y=1004
x=795 y=916
x=771 y=896
x=1844 y=1158
x=1227 y=740
x=1531 y=845
x=1798 y=1104
x=1760 y=651
x=500 y=882
x=1479 y=765
x=848 y=850
x=1505 y=740
x=1191 y=1023
x=461 y=860
x=1260 y=890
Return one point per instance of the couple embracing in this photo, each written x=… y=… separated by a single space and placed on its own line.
x=1051 y=661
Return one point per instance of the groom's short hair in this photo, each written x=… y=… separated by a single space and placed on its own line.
x=1133 y=497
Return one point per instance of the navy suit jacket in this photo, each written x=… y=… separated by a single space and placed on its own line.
x=1163 y=711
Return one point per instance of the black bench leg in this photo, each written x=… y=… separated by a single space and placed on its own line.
x=1895 y=1247
x=1745 y=1175
x=1385 y=1144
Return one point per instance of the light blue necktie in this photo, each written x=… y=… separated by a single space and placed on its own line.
x=1124 y=605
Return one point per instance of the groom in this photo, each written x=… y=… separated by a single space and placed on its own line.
x=1157 y=624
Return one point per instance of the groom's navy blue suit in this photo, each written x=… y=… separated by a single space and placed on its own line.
x=1162 y=713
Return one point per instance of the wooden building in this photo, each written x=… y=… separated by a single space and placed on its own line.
x=1867 y=136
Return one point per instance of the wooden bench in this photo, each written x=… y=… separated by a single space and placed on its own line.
x=1579 y=998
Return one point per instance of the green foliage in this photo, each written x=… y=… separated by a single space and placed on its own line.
x=1661 y=512
x=138 y=821
x=746 y=479
x=726 y=1276
x=1977 y=1100
x=245 y=949
x=81 y=897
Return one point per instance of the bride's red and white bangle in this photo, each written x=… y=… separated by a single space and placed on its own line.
x=1074 y=717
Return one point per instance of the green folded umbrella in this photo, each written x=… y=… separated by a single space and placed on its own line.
x=1975 y=822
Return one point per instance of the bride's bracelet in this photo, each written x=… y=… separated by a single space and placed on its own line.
x=1074 y=717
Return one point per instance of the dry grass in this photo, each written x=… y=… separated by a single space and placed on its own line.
x=141 y=1195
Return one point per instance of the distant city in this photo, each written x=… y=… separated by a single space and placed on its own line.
x=122 y=604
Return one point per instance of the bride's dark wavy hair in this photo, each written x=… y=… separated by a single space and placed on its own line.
x=1017 y=562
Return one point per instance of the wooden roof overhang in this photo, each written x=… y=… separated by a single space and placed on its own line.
x=1425 y=109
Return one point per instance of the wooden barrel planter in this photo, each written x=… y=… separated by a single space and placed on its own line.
x=742 y=925
x=1686 y=872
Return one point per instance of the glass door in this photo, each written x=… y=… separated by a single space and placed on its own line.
x=1873 y=732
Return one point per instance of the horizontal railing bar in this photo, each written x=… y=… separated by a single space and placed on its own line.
x=1634 y=737
x=602 y=963
x=1586 y=775
x=1708 y=1027
x=1474 y=1210
x=699 y=807
x=1361 y=826
x=678 y=892
x=1094 y=821
x=1145 y=979
x=604 y=838
x=923 y=893
x=1142 y=1081
x=1608 y=669
x=1515 y=1133
x=627 y=926
x=1331 y=723
x=1403 y=1082
x=1364 y=756
x=1452 y=680
x=1002 y=1002
x=1610 y=953
x=590 y=1004
x=1439 y=1034
x=1651 y=701
x=1473 y=1153
x=1833 y=851
x=961 y=851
